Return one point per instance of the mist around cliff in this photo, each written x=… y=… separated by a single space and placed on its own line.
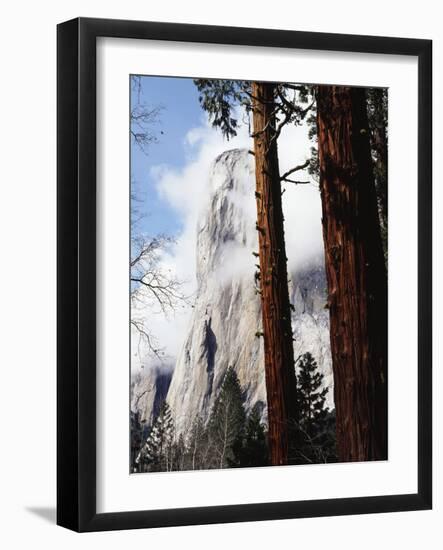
x=186 y=191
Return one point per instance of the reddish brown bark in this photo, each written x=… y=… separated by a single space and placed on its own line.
x=356 y=274
x=277 y=332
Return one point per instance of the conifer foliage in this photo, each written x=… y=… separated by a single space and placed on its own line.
x=311 y=398
x=252 y=449
x=227 y=420
x=136 y=440
x=231 y=438
x=316 y=441
x=156 y=455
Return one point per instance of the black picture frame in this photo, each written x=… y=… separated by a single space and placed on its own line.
x=76 y=280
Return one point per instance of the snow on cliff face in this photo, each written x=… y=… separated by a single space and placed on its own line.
x=310 y=320
x=148 y=391
x=227 y=311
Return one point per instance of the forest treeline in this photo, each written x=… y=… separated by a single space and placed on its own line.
x=232 y=438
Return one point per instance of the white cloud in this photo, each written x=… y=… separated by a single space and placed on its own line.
x=187 y=191
x=301 y=203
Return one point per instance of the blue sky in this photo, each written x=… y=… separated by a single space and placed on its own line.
x=175 y=181
x=180 y=112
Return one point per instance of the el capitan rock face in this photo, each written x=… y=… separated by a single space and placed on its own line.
x=226 y=315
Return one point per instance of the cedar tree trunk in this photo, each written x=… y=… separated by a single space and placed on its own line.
x=277 y=332
x=356 y=274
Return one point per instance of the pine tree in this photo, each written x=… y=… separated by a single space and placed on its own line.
x=156 y=453
x=311 y=398
x=136 y=440
x=227 y=421
x=252 y=450
x=316 y=423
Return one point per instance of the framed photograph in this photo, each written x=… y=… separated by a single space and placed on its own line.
x=244 y=274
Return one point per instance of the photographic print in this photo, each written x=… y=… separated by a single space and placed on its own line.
x=222 y=261
x=258 y=274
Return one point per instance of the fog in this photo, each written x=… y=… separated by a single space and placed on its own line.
x=187 y=192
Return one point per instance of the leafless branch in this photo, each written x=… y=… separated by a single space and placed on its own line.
x=153 y=286
x=143 y=118
x=297 y=182
x=148 y=338
x=295 y=169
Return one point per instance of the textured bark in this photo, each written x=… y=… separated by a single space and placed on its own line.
x=356 y=274
x=277 y=332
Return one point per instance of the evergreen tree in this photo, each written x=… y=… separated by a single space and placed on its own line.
x=311 y=398
x=316 y=423
x=252 y=450
x=136 y=440
x=157 y=452
x=227 y=421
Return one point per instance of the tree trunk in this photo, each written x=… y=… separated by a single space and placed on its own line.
x=277 y=332
x=356 y=274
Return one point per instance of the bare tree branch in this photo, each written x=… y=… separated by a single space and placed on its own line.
x=147 y=337
x=297 y=182
x=295 y=169
x=153 y=286
x=143 y=118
